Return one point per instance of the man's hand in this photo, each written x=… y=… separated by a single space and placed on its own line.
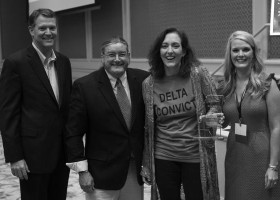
x=20 y=169
x=86 y=181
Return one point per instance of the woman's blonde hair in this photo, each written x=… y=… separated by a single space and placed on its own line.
x=258 y=79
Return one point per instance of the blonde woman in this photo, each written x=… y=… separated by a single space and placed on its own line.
x=252 y=109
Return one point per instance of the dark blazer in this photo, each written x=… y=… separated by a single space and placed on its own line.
x=31 y=120
x=94 y=111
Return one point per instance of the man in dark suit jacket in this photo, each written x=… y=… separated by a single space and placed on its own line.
x=35 y=87
x=109 y=165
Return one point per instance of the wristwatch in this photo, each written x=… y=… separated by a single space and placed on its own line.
x=273 y=167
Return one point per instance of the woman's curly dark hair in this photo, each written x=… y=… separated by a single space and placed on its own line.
x=156 y=63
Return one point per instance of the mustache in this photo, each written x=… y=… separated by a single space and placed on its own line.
x=117 y=62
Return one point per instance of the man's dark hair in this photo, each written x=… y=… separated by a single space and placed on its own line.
x=113 y=40
x=36 y=13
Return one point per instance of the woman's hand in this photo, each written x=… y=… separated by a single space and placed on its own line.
x=210 y=118
x=146 y=180
x=221 y=118
x=271 y=178
x=146 y=176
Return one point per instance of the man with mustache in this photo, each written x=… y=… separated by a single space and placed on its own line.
x=107 y=107
x=35 y=87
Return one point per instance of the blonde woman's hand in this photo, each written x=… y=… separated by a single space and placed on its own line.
x=271 y=178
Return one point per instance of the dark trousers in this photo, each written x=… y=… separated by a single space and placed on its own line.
x=170 y=175
x=51 y=186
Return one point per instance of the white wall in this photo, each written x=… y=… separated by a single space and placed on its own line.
x=58 y=5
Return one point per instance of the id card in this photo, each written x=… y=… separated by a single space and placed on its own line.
x=240 y=133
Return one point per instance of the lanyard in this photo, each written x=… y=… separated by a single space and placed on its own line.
x=238 y=104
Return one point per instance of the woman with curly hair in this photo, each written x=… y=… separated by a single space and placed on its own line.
x=174 y=96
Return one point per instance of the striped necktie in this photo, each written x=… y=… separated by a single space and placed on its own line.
x=123 y=102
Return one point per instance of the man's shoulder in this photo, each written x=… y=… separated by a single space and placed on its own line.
x=60 y=55
x=19 y=55
x=89 y=77
x=138 y=72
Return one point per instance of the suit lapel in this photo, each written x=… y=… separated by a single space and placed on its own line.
x=134 y=94
x=60 y=75
x=106 y=89
x=38 y=68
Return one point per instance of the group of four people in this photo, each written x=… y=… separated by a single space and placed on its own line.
x=119 y=127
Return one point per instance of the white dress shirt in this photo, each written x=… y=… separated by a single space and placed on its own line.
x=48 y=64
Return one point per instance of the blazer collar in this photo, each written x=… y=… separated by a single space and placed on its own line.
x=38 y=68
x=135 y=90
x=107 y=91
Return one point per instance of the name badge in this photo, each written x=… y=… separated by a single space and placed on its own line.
x=241 y=133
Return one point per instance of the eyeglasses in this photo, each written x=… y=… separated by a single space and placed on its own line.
x=113 y=55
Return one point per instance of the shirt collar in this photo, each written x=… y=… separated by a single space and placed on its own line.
x=113 y=80
x=43 y=57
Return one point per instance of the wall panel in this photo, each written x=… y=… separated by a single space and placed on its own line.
x=106 y=22
x=72 y=34
x=14 y=26
x=208 y=24
x=273 y=41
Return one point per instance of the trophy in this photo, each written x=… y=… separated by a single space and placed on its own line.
x=212 y=120
x=209 y=123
